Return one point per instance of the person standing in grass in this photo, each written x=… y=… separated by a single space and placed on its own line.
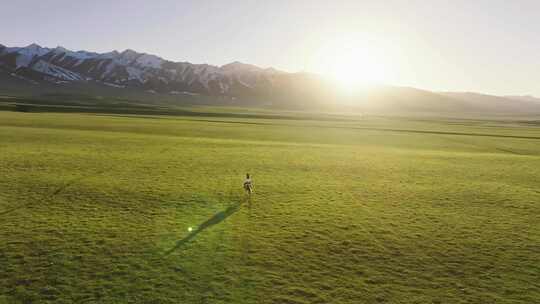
x=248 y=184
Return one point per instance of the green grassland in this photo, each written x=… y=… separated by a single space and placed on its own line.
x=95 y=208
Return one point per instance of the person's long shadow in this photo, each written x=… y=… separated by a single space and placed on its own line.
x=214 y=220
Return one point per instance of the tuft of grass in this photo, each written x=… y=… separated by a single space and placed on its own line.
x=96 y=208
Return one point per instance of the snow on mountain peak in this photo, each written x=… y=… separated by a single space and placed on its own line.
x=26 y=54
x=33 y=46
x=56 y=71
x=127 y=57
x=33 y=49
x=237 y=65
x=142 y=59
x=130 y=68
x=61 y=49
x=109 y=55
x=129 y=53
x=150 y=61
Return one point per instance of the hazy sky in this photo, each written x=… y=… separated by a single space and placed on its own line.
x=490 y=46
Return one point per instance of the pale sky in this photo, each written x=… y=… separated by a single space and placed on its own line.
x=489 y=46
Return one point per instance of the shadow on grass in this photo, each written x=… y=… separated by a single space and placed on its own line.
x=214 y=220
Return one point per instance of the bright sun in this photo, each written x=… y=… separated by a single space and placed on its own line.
x=353 y=63
x=355 y=69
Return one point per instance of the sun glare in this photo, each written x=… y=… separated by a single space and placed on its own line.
x=352 y=63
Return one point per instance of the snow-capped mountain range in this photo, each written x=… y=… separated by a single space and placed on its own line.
x=39 y=71
x=130 y=69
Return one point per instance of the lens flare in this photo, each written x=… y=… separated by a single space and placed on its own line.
x=354 y=61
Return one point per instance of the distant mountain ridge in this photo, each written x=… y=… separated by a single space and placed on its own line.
x=523 y=98
x=132 y=69
x=37 y=70
x=509 y=104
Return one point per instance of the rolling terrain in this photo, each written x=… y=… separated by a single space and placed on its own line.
x=117 y=208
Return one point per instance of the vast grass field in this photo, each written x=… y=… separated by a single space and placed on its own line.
x=98 y=208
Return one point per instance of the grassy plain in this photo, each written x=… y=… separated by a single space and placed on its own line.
x=96 y=209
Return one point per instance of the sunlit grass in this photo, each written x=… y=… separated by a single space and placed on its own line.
x=115 y=209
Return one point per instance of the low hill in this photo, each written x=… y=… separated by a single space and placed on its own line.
x=497 y=104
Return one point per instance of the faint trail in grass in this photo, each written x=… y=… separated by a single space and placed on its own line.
x=369 y=129
x=164 y=150
x=509 y=151
x=54 y=193
x=406 y=131
x=178 y=114
x=70 y=183
x=486 y=147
